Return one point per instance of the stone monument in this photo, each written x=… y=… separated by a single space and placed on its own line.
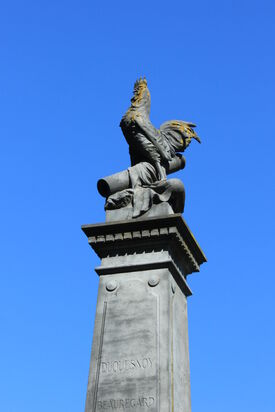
x=140 y=355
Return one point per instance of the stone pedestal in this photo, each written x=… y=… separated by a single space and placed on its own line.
x=140 y=355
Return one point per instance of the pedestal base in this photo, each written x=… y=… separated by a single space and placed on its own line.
x=140 y=356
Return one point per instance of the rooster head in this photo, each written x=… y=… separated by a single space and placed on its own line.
x=141 y=97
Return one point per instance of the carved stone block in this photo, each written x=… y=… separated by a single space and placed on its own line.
x=140 y=355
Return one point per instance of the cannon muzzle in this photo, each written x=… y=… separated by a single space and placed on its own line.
x=119 y=181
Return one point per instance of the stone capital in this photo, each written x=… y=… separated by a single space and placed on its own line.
x=146 y=244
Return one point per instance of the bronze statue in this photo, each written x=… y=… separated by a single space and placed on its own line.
x=154 y=153
x=146 y=143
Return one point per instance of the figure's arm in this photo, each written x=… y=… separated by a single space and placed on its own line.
x=150 y=133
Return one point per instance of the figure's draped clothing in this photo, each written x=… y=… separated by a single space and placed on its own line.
x=146 y=190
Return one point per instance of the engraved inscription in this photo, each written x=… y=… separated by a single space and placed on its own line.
x=127 y=403
x=126 y=365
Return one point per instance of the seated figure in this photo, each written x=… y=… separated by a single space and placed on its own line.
x=144 y=189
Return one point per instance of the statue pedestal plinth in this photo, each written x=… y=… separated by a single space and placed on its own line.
x=140 y=355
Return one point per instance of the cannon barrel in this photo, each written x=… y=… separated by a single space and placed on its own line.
x=119 y=181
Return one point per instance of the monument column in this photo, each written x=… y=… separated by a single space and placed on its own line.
x=140 y=355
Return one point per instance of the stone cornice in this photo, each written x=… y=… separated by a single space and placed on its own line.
x=142 y=235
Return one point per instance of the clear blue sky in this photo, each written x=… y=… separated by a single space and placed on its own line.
x=66 y=76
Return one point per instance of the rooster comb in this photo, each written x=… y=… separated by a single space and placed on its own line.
x=140 y=87
x=140 y=83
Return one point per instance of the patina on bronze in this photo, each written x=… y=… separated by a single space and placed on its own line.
x=154 y=153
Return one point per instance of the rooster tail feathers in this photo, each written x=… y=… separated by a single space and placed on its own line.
x=194 y=134
x=196 y=137
x=179 y=133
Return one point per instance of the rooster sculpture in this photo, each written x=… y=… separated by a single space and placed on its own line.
x=146 y=143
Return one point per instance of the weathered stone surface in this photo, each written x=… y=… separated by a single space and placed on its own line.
x=140 y=355
x=127 y=372
x=140 y=358
x=133 y=243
